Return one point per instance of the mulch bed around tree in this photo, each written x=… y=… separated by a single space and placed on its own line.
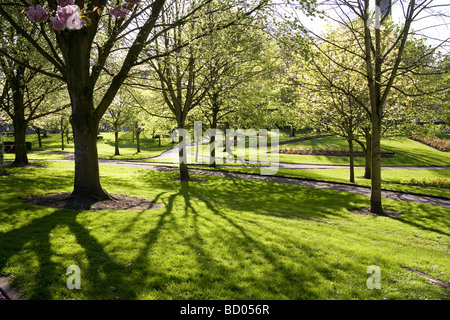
x=117 y=202
x=387 y=213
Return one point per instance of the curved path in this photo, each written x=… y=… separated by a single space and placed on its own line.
x=337 y=186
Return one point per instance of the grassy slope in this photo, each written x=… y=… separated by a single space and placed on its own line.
x=216 y=239
x=407 y=153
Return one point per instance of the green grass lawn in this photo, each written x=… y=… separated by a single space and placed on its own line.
x=406 y=153
x=393 y=179
x=216 y=239
x=149 y=147
x=36 y=156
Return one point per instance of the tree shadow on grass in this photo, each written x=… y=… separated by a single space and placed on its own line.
x=265 y=261
x=435 y=221
x=278 y=278
x=34 y=239
x=246 y=267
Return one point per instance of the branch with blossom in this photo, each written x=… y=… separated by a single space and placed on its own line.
x=69 y=15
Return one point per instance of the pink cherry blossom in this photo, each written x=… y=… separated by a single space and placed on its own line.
x=37 y=14
x=58 y=24
x=63 y=13
x=75 y=22
x=68 y=16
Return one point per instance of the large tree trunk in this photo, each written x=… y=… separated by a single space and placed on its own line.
x=87 y=175
x=368 y=156
x=85 y=130
x=352 y=162
x=75 y=47
x=376 y=101
x=19 y=122
x=20 y=127
x=116 y=141
x=375 y=200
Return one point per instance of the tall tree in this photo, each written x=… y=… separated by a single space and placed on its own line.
x=384 y=61
x=117 y=116
x=27 y=95
x=236 y=57
x=180 y=76
x=78 y=43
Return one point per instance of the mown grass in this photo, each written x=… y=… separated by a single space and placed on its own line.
x=37 y=156
x=128 y=149
x=406 y=153
x=216 y=239
x=393 y=179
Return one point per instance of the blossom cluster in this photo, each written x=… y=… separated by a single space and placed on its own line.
x=69 y=15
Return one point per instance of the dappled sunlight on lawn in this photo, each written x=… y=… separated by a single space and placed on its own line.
x=213 y=238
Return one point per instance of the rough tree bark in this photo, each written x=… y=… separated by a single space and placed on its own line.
x=19 y=122
x=85 y=123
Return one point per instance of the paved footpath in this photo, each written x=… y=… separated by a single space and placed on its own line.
x=337 y=186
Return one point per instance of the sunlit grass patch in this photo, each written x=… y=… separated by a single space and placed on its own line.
x=216 y=239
